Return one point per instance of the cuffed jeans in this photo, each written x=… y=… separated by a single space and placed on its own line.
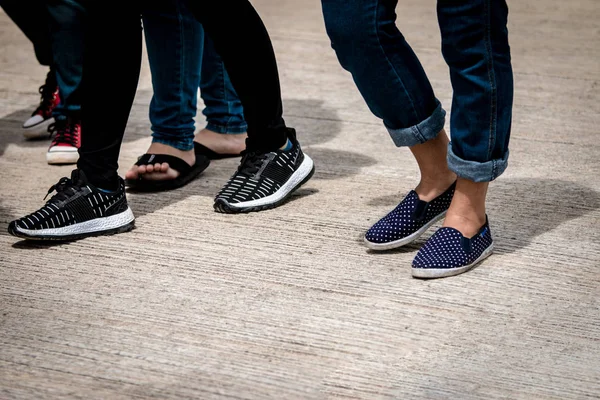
x=394 y=85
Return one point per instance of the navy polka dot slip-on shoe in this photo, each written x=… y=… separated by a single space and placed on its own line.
x=408 y=221
x=449 y=253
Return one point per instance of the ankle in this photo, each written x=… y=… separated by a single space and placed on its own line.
x=465 y=217
x=224 y=143
x=171 y=148
x=467 y=211
x=431 y=186
x=224 y=136
x=467 y=224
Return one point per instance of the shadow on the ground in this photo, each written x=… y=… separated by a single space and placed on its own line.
x=529 y=207
x=12 y=131
x=329 y=164
x=152 y=198
x=40 y=244
x=315 y=124
x=521 y=209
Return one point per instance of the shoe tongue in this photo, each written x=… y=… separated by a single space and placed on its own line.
x=78 y=177
x=251 y=163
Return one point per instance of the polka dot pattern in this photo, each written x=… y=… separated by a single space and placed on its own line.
x=448 y=249
x=408 y=217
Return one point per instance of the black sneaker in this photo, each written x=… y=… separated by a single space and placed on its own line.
x=265 y=180
x=77 y=210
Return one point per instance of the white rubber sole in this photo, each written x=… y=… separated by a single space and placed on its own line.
x=406 y=240
x=296 y=180
x=59 y=156
x=431 y=273
x=39 y=131
x=98 y=226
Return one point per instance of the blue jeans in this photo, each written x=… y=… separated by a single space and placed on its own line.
x=394 y=85
x=182 y=58
x=67 y=19
x=55 y=28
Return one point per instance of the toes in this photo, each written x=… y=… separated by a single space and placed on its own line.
x=152 y=172
x=132 y=173
x=162 y=176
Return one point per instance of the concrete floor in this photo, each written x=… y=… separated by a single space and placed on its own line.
x=288 y=304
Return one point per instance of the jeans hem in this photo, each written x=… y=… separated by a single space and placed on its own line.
x=227 y=129
x=422 y=132
x=67 y=112
x=477 y=171
x=183 y=145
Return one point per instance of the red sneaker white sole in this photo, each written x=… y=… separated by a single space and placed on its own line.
x=61 y=155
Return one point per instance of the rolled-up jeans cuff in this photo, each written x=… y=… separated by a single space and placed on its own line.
x=422 y=132
x=227 y=129
x=186 y=144
x=474 y=170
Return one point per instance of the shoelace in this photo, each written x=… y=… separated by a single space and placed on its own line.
x=64 y=189
x=64 y=132
x=251 y=162
x=47 y=92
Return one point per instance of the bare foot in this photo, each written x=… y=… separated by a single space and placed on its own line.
x=222 y=143
x=160 y=172
x=467 y=210
x=436 y=178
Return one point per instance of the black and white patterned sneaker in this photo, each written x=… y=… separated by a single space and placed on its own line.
x=448 y=253
x=77 y=210
x=408 y=221
x=265 y=180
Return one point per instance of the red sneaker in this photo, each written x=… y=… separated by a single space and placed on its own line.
x=35 y=127
x=66 y=142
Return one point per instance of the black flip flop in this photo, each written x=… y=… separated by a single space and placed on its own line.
x=202 y=150
x=187 y=173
